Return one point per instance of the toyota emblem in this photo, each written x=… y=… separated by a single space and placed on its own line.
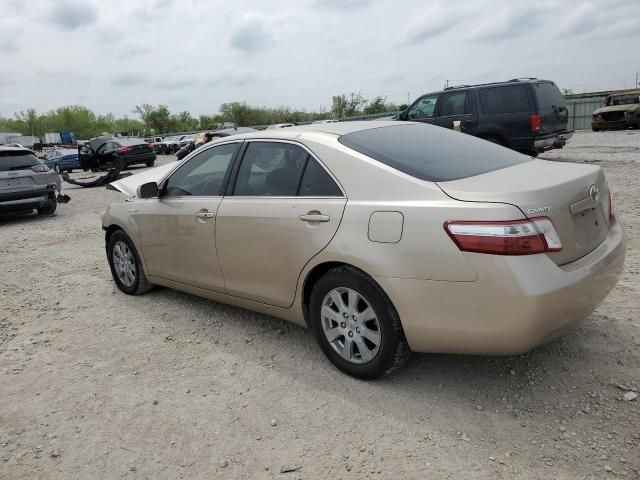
x=594 y=193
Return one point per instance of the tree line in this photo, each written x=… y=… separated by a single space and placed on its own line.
x=158 y=119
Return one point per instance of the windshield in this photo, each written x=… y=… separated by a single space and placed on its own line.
x=623 y=99
x=431 y=153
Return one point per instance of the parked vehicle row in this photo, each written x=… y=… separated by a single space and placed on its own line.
x=383 y=237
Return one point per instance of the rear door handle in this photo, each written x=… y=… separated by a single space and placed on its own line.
x=314 y=217
x=205 y=215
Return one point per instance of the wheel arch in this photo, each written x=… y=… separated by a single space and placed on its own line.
x=316 y=273
x=109 y=231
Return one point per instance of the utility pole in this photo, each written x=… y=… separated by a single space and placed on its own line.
x=637 y=84
x=408 y=98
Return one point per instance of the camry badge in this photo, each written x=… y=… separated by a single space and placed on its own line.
x=594 y=193
x=533 y=211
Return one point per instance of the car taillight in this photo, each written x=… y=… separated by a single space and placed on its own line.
x=536 y=123
x=125 y=150
x=612 y=213
x=518 y=237
x=40 y=168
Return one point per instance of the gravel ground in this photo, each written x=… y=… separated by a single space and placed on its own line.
x=96 y=384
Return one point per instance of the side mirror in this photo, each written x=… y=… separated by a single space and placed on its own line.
x=148 y=190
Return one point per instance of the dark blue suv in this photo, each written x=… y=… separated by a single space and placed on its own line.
x=527 y=115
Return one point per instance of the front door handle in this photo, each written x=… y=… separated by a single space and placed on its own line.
x=314 y=217
x=205 y=215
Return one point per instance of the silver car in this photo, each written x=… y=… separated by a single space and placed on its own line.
x=26 y=183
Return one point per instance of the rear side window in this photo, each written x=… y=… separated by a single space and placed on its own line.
x=316 y=182
x=431 y=153
x=548 y=95
x=17 y=161
x=507 y=99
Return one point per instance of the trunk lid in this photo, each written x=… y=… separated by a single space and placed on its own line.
x=552 y=107
x=574 y=196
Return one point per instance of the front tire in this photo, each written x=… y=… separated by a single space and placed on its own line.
x=356 y=325
x=125 y=265
x=150 y=163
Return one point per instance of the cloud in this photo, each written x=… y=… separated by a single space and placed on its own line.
x=72 y=14
x=9 y=35
x=431 y=24
x=127 y=51
x=173 y=84
x=129 y=80
x=342 y=4
x=507 y=24
x=252 y=35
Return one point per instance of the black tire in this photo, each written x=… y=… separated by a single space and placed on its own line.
x=393 y=349
x=120 y=164
x=595 y=129
x=150 y=163
x=140 y=284
x=50 y=209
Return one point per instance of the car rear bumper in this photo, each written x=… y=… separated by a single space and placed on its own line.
x=555 y=140
x=26 y=199
x=516 y=304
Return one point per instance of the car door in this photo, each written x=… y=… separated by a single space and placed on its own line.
x=177 y=230
x=457 y=106
x=423 y=109
x=283 y=209
x=86 y=156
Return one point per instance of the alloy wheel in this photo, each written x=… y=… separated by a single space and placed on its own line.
x=350 y=325
x=124 y=263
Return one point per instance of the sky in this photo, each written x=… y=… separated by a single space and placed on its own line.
x=111 y=55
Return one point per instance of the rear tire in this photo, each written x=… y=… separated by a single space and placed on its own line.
x=125 y=265
x=362 y=318
x=50 y=209
x=493 y=139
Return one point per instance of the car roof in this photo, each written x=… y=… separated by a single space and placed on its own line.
x=330 y=129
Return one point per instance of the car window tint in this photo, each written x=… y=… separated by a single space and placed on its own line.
x=316 y=182
x=423 y=108
x=453 y=104
x=203 y=174
x=431 y=153
x=508 y=99
x=548 y=95
x=270 y=169
x=17 y=160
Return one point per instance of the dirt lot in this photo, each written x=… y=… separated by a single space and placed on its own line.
x=96 y=384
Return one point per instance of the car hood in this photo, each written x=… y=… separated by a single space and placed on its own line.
x=629 y=107
x=129 y=185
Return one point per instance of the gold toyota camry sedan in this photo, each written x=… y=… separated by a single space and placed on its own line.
x=382 y=237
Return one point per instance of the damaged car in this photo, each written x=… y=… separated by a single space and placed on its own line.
x=105 y=152
x=620 y=111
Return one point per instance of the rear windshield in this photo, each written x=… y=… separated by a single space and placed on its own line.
x=548 y=95
x=431 y=153
x=17 y=161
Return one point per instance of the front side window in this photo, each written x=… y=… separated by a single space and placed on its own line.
x=270 y=169
x=202 y=175
x=423 y=108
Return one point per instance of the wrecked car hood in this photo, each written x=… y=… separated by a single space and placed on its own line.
x=626 y=107
x=129 y=185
